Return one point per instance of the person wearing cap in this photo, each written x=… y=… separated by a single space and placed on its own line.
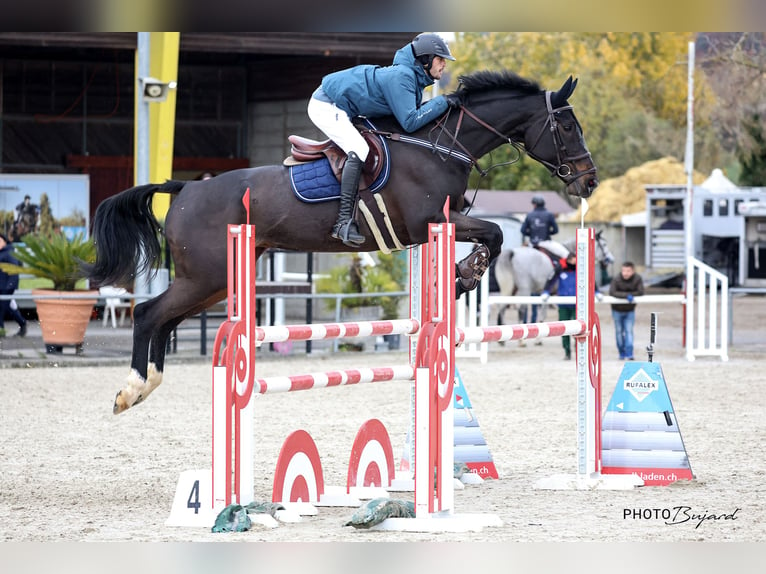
x=8 y=284
x=375 y=91
x=539 y=224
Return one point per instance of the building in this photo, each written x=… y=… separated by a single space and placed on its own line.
x=67 y=99
x=728 y=229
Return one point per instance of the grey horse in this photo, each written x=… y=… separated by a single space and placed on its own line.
x=526 y=270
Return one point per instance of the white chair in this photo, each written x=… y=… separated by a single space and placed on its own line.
x=113 y=302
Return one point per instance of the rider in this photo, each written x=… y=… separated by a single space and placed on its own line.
x=539 y=224
x=375 y=91
x=24 y=207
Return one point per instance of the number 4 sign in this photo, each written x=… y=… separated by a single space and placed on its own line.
x=191 y=504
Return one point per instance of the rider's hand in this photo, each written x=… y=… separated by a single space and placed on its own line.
x=630 y=298
x=545 y=295
x=453 y=100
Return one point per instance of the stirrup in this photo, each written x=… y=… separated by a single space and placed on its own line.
x=346 y=234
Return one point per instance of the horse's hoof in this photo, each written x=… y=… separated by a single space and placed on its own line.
x=119 y=404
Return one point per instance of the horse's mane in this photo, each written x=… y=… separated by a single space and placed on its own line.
x=486 y=80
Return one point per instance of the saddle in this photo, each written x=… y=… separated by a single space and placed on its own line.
x=305 y=150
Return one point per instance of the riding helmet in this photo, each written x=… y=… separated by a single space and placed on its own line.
x=538 y=201
x=426 y=46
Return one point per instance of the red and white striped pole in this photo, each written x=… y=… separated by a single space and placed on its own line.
x=234 y=377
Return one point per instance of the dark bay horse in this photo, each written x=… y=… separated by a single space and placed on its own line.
x=428 y=167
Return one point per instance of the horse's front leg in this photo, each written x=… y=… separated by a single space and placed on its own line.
x=471 y=269
x=489 y=239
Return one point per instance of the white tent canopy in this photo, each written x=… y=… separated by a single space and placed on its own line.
x=718 y=182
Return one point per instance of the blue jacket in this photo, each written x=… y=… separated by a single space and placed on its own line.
x=8 y=283
x=376 y=91
x=539 y=224
x=567 y=280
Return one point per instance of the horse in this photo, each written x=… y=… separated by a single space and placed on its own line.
x=526 y=270
x=25 y=223
x=429 y=169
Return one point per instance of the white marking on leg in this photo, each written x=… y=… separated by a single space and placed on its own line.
x=153 y=379
x=134 y=387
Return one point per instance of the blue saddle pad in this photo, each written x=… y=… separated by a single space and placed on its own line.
x=314 y=182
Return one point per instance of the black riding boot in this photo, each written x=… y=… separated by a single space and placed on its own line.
x=345 y=228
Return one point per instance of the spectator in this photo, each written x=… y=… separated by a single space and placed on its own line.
x=627 y=285
x=8 y=284
x=567 y=286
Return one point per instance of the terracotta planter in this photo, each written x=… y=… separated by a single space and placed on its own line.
x=64 y=321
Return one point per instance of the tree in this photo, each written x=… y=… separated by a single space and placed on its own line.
x=631 y=97
x=47 y=221
x=735 y=66
x=752 y=151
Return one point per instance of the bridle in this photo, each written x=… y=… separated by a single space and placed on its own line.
x=564 y=168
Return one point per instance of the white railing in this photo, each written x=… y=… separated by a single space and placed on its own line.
x=468 y=316
x=709 y=311
x=706 y=315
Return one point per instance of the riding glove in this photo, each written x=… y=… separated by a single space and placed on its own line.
x=453 y=100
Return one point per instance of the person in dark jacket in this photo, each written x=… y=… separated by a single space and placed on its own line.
x=376 y=91
x=627 y=285
x=8 y=284
x=539 y=224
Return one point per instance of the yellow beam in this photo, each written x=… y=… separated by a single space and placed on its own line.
x=163 y=48
x=163 y=66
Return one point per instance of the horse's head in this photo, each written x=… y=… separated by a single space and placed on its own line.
x=550 y=133
x=555 y=139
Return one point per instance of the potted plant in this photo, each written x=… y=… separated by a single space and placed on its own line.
x=56 y=260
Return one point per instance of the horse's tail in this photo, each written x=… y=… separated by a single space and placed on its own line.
x=125 y=232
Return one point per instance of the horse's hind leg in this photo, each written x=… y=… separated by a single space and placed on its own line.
x=156 y=364
x=154 y=320
x=136 y=383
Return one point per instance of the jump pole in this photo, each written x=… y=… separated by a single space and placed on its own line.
x=588 y=346
x=201 y=494
x=586 y=330
x=434 y=361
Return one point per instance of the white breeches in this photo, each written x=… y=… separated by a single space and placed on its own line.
x=337 y=126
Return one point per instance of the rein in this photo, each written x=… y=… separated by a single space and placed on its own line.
x=441 y=123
